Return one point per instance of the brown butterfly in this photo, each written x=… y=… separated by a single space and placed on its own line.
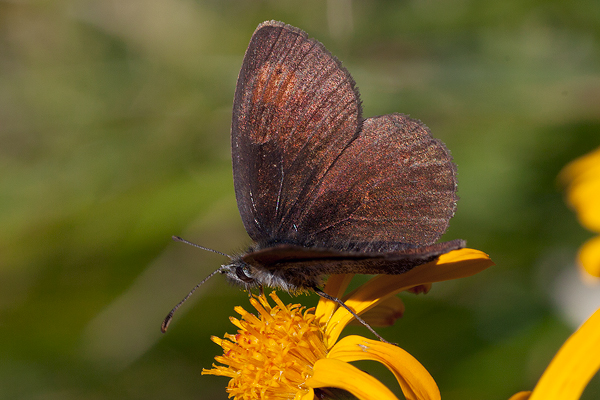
x=320 y=189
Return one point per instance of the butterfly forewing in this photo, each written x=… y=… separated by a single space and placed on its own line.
x=295 y=111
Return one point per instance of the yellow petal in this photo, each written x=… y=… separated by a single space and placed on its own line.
x=520 y=396
x=589 y=256
x=583 y=168
x=385 y=313
x=573 y=366
x=336 y=286
x=583 y=191
x=425 y=288
x=455 y=264
x=328 y=372
x=415 y=381
x=584 y=197
x=337 y=283
x=305 y=396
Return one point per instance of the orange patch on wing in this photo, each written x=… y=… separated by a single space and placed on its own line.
x=272 y=92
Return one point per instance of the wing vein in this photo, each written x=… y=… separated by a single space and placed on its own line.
x=313 y=187
x=285 y=145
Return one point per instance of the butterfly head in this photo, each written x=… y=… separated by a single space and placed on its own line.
x=241 y=274
x=253 y=275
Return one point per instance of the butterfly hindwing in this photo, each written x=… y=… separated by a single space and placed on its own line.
x=395 y=184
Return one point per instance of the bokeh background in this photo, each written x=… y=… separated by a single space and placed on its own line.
x=114 y=135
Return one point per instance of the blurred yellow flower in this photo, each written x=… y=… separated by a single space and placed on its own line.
x=582 y=179
x=287 y=352
x=572 y=367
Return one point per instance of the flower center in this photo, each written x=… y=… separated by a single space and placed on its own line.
x=272 y=354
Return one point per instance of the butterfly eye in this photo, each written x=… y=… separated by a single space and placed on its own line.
x=242 y=273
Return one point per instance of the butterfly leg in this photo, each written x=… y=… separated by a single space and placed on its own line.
x=359 y=319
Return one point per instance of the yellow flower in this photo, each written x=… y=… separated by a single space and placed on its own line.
x=287 y=352
x=582 y=178
x=572 y=367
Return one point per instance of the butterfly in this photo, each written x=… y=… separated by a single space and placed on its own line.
x=320 y=189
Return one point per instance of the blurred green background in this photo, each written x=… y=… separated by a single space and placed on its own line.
x=114 y=135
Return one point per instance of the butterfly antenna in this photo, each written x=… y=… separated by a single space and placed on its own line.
x=359 y=319
x=178 y=239
x=167 y=321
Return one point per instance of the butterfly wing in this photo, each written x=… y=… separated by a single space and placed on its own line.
x=299 y=260
x=295 y=111
x=395 y=184
x=308 y=171
x=294 y=267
